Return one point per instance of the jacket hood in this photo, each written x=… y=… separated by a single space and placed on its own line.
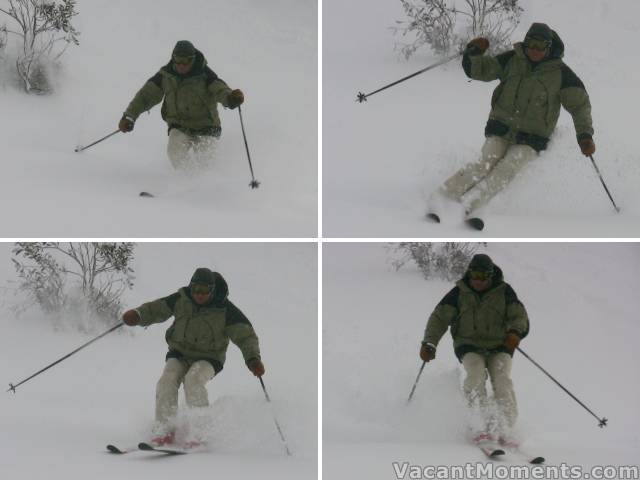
x=220 y=291
x=497 y=279
x=199 y=65
x=557 y=46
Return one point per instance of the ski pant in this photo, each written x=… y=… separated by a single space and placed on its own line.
x=194 y=376
x=499 y=163
x=187 y=151
x=498 y=365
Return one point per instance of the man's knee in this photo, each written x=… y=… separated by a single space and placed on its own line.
x=500 y=372
x=172 y=375
x=199 y=374
x=475 y=366
x=494 y=148
x=521 y=154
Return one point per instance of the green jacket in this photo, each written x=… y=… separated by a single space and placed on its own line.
x=478 y=321
x=525 y=106
x=202 y=332
x=190 y=101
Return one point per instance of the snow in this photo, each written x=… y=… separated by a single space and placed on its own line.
x=269 y=50
x=383 y=158
x=58 y=424
x=584 y=330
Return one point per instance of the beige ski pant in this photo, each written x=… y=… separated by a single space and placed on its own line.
x=189 y=151
x=499 y=367
x=499 y=163
x=195 y=379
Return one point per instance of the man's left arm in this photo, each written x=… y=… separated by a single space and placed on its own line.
x=241 y=333
x=221 y=92
x=517 y=318
x=575 y=99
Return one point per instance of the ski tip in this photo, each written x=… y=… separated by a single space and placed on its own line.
x=475 y=222
x=537 y=460
x=434 y=217
x=496 y=453
x=146 y=194
x=145 y=446
x=114 y=449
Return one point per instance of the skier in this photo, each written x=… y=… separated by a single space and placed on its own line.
x=204 y=322
x=534 y=83
x=487 y=323
x=191 y=92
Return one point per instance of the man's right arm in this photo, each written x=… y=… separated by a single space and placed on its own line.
x=441 y=317
x=157 y=311
x=485 y=68
x=147 y=97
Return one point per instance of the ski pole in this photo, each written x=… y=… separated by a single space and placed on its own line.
x=602 y=422
x=254 y=183
x=603 y=184
x=266 y=395
x=363 y=97
x=415 y=384
x=12 y=387
x=80 y=148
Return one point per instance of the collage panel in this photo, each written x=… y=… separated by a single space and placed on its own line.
x=467 y=119
x=159 y=119
x=205 y=351
x=473 y=359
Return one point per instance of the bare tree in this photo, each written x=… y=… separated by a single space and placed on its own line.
x=443 y=26
x=45 y=31
x=62 y=277
x=3 y=38
x=446 y=260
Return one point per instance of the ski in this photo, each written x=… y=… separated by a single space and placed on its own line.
x=121 y=451
x=486 y=443
x=434 y=217
x=475 y=223
x=168 y=451
x=491 y=451
x=147 y=194
x=514 y=448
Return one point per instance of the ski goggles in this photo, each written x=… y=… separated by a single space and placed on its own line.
x=201 y=289
x=537 y=44
x=179 y=60
x=478 y=275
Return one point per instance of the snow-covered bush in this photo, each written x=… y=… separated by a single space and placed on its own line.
x=447 y=260
x=81 y=281
x=44 y=31
x=446 y=25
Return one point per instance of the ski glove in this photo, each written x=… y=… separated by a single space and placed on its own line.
x=235 y=99
x=427 y=352
x=477 y=46
x=126 y=124
x=131 y=318
x=256 y=366
x=511 y=341
x=587 y=146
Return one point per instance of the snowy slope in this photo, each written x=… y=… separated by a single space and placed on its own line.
x=267 y=50
x=60 y=422
x=583 y=330
x=382 y=158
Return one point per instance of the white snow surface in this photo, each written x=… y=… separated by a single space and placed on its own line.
x=383 y=158
x=58 y=424
x=267 y=49
x=584 y=330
